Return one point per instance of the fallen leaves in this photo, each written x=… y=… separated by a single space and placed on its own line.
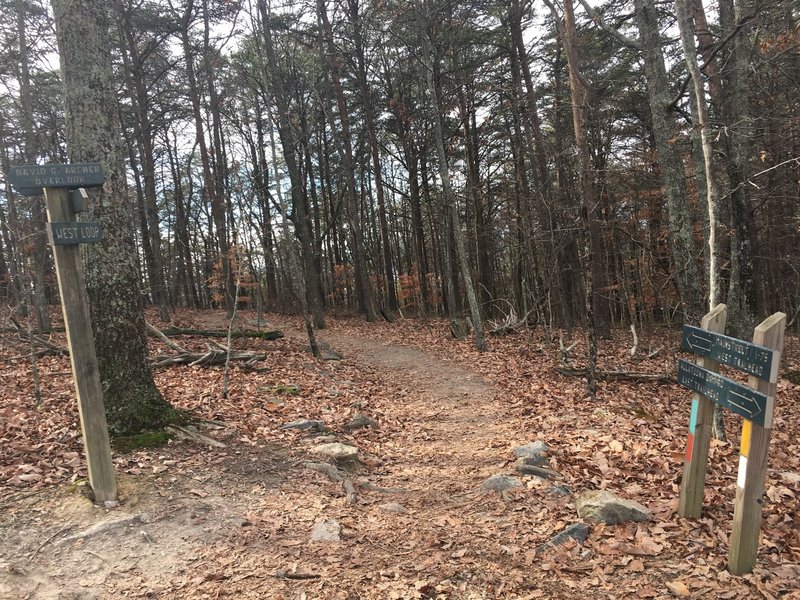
x=438 y=432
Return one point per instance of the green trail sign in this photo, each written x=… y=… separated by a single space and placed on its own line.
x=744 y=356
x=29 y=180
x=745 y=401
x=73 y=232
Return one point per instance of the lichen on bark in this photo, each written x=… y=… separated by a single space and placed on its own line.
x=132 y=401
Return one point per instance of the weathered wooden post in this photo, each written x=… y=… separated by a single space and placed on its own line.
x=696 y=464
x=60 y=182
x=753 y=455
x=755 y=402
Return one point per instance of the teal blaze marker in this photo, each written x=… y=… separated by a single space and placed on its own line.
x=693 y=419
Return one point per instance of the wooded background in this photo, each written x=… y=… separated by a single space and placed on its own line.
x=432 y=157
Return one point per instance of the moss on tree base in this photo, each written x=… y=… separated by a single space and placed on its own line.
x=148 y=439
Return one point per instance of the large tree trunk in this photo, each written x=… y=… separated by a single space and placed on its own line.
x=92 y=130
x=672 y=171
x=744 y=263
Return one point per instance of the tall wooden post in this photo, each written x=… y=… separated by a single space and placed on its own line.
x=753 y=456
x=694 y=468
x=77 y=320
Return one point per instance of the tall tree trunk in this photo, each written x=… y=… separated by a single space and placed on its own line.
x=431 y=61
x=589 y=196
x=369 y=123
x=363 y=285
x=309 y=293
x=39 y=246
x=671 y=165
x=92 y=131
x=742 y=300
x=137 y=90
x=686 y=26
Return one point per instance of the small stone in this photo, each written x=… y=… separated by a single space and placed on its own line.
x=577 y=531
x=336 y=451
x=501 y=483
x=604 y=507
x=303 y=424
x=531 y=450
x=394 y=507
x=328 y=530
x=360 y=422
x=560 y=490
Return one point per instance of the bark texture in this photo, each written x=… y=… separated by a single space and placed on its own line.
x=133 y=403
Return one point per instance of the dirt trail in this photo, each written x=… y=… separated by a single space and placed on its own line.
x=453 y=434
x=235 y=528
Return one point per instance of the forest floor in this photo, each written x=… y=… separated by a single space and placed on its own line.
x=197 y=521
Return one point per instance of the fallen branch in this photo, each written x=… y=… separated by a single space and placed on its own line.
x=326 y=469
x=510 y=323
x=45 y=347
x=299 y=576
x=616 y=375
x=216 y=355
x=565 y=351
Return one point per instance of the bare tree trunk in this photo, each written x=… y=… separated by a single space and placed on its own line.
x=39 y=246
x=431 y=68
x=369 y=123
x=686 y=28
x=137 y=90
x=672 y=170
x=588 y=193
x=363 y=285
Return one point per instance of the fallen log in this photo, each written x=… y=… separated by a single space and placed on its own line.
x=616 y=375
x=274 y=334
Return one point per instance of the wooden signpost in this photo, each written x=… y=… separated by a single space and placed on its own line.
x=754 y=401
x=59 y=183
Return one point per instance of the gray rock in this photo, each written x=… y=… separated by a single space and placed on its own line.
x=535 y=460
x=328 y=530
x=336 y=451
x=531 y=450
x=394 y=507
x=577 y=531
x=360 y=422
x=501 y=483
x=304 y=424
x=604 y=507
x=560 y=490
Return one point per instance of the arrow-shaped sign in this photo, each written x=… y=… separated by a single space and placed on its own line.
x=744 y=356
x=747 y=402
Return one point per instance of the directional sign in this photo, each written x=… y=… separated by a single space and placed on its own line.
x=73 y=232
x=744 y=356
x=30 y=179
x=747 y=402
